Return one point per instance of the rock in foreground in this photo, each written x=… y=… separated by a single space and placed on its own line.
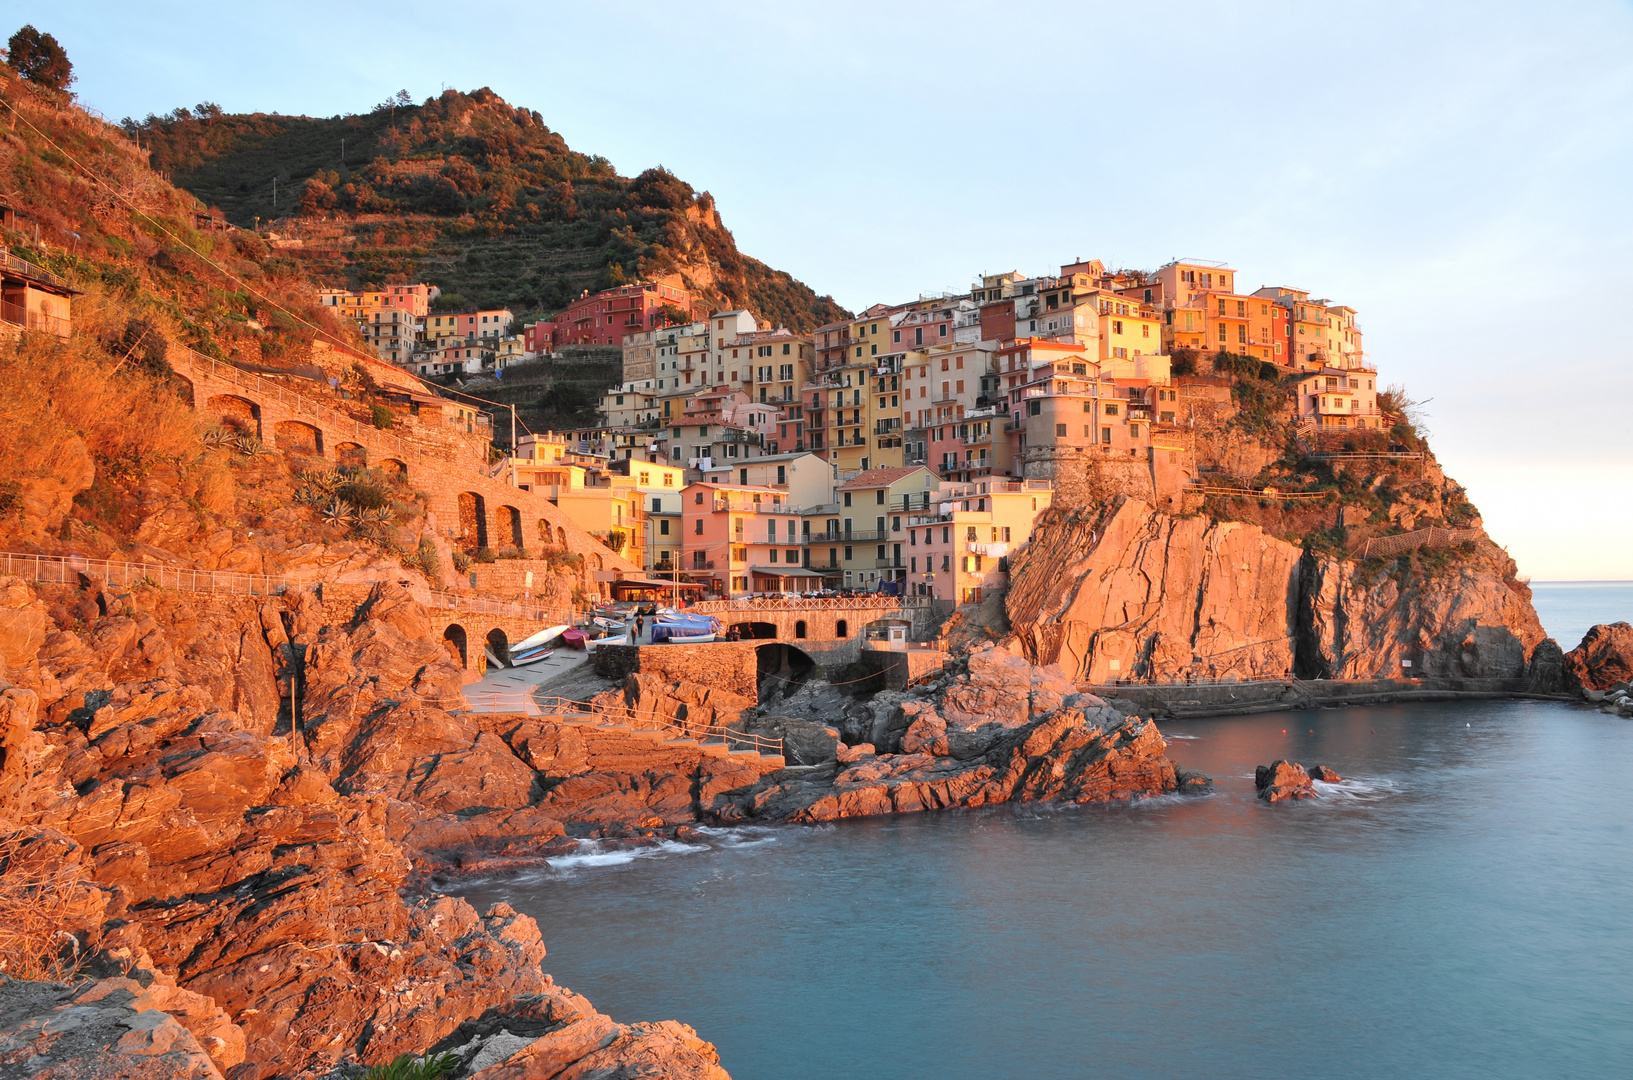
x=1604 y=658
x=1282 y=780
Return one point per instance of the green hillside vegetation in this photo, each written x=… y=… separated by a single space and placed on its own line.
x=471 y=194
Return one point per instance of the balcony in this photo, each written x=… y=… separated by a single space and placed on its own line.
x=889 y=564
x=863 y=536
x=18 y=315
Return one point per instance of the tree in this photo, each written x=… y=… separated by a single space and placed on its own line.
x=38 y=58
x=317 y=198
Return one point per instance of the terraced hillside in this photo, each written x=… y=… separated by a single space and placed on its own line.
x=469 y=193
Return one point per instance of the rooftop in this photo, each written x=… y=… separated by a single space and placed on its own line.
x=874 y=478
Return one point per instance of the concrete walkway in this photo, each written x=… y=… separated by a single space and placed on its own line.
x=508 y=690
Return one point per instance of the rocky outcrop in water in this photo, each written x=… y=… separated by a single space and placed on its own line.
x=1283 y=780
x=1001 y=730
x=1603 y=659
x=1135 y=593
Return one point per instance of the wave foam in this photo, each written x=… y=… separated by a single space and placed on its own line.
x=597 y=853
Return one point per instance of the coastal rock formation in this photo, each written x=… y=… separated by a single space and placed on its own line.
x=1325 y=775
x=1281 y=780
x=1147 y=592
x=104 y=1029
x=1000 y=730
x=1603 y=659
x=556 y=1033
x=1136 y=593
x=1469 y=622
x=242 y=788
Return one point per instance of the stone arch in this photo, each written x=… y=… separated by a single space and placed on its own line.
x=599 y=565
x=292 y=435
x=393 y=467
x=184 y=389
x=561 y=536
x=842 y=629
x=453 y=639
x=755 y=631
x=787 y=665
x=499 y=646
x=799 y=628
x=350 y=453
x=510 y=527
x=473 y=521
x=240 y=414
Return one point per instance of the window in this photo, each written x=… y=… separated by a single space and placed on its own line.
x=1060 y=430
x=847 y=494
x=879 y=497
x=849 y=553
x=697 y=498
x=1105 y=437
x=697 y=527
x=799 y=626
x=842 y=629
x=1034 y=408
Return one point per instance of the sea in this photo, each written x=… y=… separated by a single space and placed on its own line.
x=1460 y=904
x=1568 y=608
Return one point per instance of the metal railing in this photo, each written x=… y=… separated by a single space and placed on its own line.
x=18 y=315
x=804 y=603
x=66 y=570
x=28 y=269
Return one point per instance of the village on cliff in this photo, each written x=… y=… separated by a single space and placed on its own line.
x=905 y=451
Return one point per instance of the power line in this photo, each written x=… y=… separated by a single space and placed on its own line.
x=223 y=271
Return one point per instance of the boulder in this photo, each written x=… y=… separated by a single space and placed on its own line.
x=1282 y=779
x=1604 y=658
x=1325 y=775
x=105 y=1029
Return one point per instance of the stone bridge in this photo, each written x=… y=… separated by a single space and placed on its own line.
x=828 y=629
x=471 y=508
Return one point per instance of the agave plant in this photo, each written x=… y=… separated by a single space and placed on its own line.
x=338 y=513
x=249 y=445
x=380 y=515
x=217 y=436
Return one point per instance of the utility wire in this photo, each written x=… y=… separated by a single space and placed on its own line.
x=228 y=274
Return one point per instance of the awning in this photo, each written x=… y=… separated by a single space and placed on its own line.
x=651 y=583
x=792 y=571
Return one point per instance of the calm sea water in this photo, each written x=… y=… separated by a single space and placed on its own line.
x=1461 y=905
x=1569 y=608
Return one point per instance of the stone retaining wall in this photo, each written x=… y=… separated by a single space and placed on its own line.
x=732 y=666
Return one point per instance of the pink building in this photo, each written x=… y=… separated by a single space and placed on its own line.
x=742 y=539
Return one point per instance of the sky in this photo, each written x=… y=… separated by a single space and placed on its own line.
x=1457 y=172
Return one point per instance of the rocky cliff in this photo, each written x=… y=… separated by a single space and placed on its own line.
x=1127 y=592
x=242 y=798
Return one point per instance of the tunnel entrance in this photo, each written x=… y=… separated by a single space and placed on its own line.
x=781 y=669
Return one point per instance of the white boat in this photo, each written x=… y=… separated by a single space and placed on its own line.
x=543 y=637
x=595 y=643
x=534 y=658
x=493 y=661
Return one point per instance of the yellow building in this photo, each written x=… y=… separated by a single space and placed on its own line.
x=959 y=549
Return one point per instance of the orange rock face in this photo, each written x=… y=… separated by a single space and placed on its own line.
x=1604 y=658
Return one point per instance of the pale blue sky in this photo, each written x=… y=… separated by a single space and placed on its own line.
x=1458 y=172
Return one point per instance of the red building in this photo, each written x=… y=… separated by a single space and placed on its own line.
x=605 y=318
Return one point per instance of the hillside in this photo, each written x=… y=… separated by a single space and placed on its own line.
x=470 y=194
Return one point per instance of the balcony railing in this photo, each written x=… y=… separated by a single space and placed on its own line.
x=18 y=315
x=29 y=270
